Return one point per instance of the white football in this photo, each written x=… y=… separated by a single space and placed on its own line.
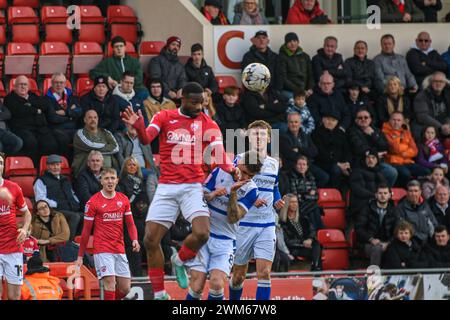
x=256 y=77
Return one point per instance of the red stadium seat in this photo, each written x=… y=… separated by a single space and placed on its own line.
x=398 y=194
x=28 y=3
x=48 y=83
x=15 y=49
x=33 y=86
x=19 y=166
x=2 y=34
x=130 y=50
x=29 y=204
x=225 y=81
x=87 y=48
x=330 y=197
x=148 y=50
x=3 y=4
x=89 y=246
x=54 y=48
x=54 y=19
x=84 y=85
x=24 y=24
x=157 y=159
x=86 y=56
x=92 y=25
x=123 y=22
x=335 y=255
x=65 y=167
x=334 y=208
x=2 y=90
x=334 y=218
x=26 y=183
x=27 y=66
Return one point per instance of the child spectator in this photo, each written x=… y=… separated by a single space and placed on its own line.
x=431 y=150
x=436 y=178
x=355 y=101
x=208 y=106
x=301 y=107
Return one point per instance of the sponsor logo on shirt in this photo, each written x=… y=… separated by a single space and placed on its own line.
x=5 y=210
x=113 y=216
x=174 y=137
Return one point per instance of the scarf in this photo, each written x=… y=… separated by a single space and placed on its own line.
x=434 y=154
x=400 y=4
x=298 y=227
x=253 y=18
x=393 y=105
x=63 y=100
x=222 y=19
x=125 y=96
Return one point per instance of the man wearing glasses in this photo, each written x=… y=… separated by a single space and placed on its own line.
x=423 y=60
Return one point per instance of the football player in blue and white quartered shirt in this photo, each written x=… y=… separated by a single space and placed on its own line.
x=228 y=201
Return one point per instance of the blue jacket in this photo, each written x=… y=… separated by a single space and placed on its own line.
x=70 y=119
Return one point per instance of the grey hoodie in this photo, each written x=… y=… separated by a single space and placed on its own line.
x=387 y=65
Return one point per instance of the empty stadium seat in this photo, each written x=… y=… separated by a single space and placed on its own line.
x=65 y=167
x=22 y=65
x=92 y=25
x=3 y=4
x=33 y=86
x=330 y=197
x=130 y=50
x=334 y=208
x=54 y=58
x=54 y=19
x=84 y=85
x=19 y=166
x=225 y=81
x=148 y=50
x=29 y=204
x=334 y=218
x=335 y=249
x=54 y=48
x=28 y=3
x=123 y=22
x=26 y=183
x=24 y=24
x=2 y=34
x=398 y=194
x=86 y=55
x=89 y=246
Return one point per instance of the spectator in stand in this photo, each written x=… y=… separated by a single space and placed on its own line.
x=63 y=112
x=156 y=100
x=296 y=143
x=132 y=184
x=130 y=146
x=388 y=63
x=402 y=252
x=168 y=68
x=307 y=12
x=295 y=69
x=360 y=69
x=126 y=96
x=439 y=205
x=92 y=137
x=260 y=52
x=212 y=10
x=283 y=256
x=198 y=71
x=423 y=60
x=326 y=99
x=364 y=181
x=415 y=210
x=114 y=67
x=9 y=142
x=375 y=224
x=51 y=230
x=299 y=233
x=334 y=150
x=393 y=11
x=327 y=59
x=431 y=151
x=432 y=105
x=106 y=106
x=446 y=56
x=28 y=121
x=437 y=252
x=88 y=181
x=300 y=106
x=357 y=100
x=394 y=99
x=303 y=184
x=30 y=246
x=363 y=137
x=56 y=189
x=38 y=284
x=248 y=12
x=430 y=9
x=208 y=106
x=436 y=179
x=402 y=150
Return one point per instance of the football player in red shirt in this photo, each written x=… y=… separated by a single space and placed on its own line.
x=106 y=212
x=11 y=237
x=185 y=134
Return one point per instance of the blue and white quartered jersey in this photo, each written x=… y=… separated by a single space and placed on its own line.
x=267 y=183
x=247 y=195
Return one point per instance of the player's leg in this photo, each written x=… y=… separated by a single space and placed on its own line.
x=109 y=286
x=196 y=285
x=123 y=287
x=264 y=251
x=217 y=282
x=13 y=272
x=263 y=268
x=123 y=276
x=154 y=232
x=237 y=281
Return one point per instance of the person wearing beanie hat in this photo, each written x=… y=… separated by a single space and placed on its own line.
x=114 y=67
x=290 y=36
x=198 y=71
x=39 y=284
x=212 y=11
x=168 y=68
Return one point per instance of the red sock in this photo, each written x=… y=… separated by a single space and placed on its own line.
x=156 y=276
x=120 y=295
x=109 y=295
x=186 y=254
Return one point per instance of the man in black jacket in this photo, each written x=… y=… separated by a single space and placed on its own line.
x=104 y=103
x=263 y=106
x=57 y=191
x=327 y=59
x=260 y=52
x=423 y=60
x=437 y=253
x=28 y=121
x=440 y=205
x=198 y=71
x=375 y=224
x=88 y=180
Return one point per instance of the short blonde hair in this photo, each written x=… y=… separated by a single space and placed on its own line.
x=394 y=79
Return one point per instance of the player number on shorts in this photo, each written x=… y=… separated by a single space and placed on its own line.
x=19 y=270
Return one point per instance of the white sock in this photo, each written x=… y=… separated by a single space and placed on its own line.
x=177 y=260
x=160 y=294
x=195 y=295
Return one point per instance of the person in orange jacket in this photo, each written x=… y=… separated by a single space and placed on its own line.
x=402 y=150
x=38 y=284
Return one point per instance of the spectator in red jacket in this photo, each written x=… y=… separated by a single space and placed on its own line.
x=307 y=12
